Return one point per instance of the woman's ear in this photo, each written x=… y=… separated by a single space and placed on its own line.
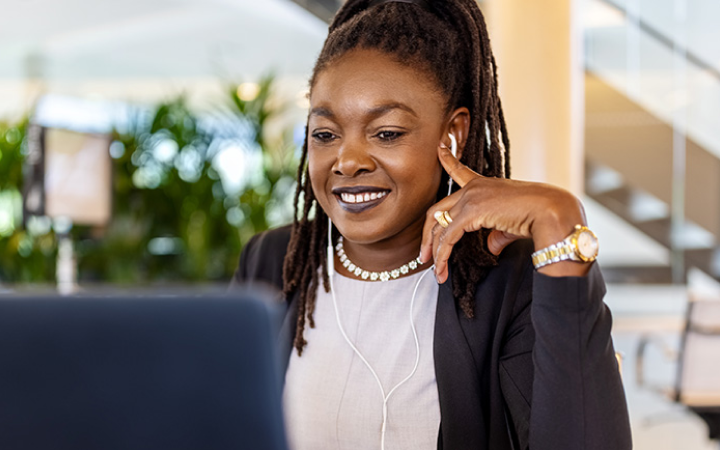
x=459 y=126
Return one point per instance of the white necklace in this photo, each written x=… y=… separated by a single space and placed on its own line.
x=373 y=276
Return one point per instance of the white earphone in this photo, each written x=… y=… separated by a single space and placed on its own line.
x=453 y=144
x=453 y=150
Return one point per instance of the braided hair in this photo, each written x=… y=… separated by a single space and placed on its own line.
x=447 y=40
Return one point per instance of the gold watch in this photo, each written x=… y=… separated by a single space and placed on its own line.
x=582 y=245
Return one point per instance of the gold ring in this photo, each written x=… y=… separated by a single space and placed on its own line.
x=443 y=218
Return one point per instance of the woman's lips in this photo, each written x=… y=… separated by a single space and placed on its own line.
x=356 y=200
x=362 y=198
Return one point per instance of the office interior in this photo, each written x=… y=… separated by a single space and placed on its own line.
x=107 y=107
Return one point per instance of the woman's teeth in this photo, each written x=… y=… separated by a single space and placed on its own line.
x=361 y=198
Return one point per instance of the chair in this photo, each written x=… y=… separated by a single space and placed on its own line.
x=697 y=384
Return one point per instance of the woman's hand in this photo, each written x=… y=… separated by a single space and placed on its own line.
x=511 y=209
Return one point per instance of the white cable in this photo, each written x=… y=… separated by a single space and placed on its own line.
x=331 y=272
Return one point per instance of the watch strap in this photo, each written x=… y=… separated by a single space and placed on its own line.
x=561 y=251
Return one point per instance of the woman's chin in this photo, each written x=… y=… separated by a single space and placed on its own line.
x=360 y=233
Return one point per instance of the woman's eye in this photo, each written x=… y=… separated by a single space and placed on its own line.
x=323 y=136
x=389 y=135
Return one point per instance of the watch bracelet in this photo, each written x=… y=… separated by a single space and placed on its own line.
x=561 y=251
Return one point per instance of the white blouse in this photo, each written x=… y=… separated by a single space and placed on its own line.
x=331 y=399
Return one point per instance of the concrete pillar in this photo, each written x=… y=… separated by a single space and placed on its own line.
x=538 y=48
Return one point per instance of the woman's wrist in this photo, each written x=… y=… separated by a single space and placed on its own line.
x=554 y=223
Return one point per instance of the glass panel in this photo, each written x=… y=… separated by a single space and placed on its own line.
x=649 y=80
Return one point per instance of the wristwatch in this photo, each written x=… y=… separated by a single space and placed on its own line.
x=582 y=245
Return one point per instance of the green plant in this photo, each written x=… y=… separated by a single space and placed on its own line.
x=173 y=217
x=26 y=255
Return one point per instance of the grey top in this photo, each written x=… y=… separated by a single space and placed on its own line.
x=330 y=395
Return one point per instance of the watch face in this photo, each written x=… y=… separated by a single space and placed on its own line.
x=587 y=245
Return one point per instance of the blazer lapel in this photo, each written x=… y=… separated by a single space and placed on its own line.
x=463 y=425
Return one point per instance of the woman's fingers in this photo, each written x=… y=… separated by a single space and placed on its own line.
x=462 y=175
x=498 y=240
x=426 y=247
x=510 y=209
x=458 y=171
x=468 y=211
x=444 y=240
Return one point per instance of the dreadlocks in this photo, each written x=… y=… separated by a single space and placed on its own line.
x=448 y=41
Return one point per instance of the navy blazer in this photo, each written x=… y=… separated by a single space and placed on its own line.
x=535 y=368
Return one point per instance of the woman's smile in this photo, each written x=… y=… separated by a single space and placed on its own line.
x=357 y=199
x=374 y=128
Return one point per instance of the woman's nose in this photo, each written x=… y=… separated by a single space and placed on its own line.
x=353 y=159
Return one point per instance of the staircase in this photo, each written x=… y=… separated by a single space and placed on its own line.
x=628 y=171
x=629 y=142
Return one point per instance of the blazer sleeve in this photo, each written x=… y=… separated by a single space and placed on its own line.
x=241 y=273
x=573 y=390
x=261 y=260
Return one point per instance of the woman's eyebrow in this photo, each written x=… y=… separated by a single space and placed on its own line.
x=386 y=108
x=374 y=112
x=322 y=112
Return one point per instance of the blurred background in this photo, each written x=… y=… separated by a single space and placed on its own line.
x=142 y=143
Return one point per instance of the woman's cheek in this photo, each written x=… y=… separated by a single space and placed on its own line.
x=318 y=181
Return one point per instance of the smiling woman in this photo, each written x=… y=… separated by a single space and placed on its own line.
x=384 y=143
x=404 y=98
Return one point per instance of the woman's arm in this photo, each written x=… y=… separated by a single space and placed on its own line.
x=510 y=209
x=558 y=364
x=578 y=400
x=557 y=370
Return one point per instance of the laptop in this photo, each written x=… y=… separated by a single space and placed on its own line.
x=139 y=373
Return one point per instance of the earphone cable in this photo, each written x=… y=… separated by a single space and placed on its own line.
x=386 y=398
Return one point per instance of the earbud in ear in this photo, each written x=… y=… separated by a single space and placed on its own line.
x=453 y=150
x=453 y=144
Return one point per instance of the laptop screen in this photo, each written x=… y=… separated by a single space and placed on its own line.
x=139 y=373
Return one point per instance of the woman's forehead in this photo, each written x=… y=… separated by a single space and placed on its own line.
x=369 y=80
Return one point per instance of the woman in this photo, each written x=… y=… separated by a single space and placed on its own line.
x=467 y=345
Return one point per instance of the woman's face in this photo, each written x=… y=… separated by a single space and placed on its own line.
x=374 y=129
